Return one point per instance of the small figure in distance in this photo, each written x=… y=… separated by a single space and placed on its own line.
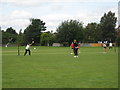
x=104 y=46
x=72 y=48
x=76 y=47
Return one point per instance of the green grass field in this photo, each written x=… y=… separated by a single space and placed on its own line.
x=55 y=67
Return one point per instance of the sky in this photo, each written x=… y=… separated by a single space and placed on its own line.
x=17 y=13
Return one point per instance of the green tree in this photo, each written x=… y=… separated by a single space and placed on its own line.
x=8 y=34
x=20 y=37
x=33 y=31
x=70 y=30
x=118 y=36
x=47 y=39
x=91 y=32
x=107 y=26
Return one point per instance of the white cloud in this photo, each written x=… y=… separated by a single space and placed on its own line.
x=115 y=10
x=20 y=19
x=20 y=15
x=58 y=16
x=40 y=2
x=24 y=2
x=119 y=13
x=16 y=19
x=54 y=20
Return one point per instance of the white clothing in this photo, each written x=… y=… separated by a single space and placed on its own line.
x=27 y=47
x=110 y=44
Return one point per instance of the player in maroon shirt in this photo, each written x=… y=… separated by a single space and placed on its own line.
x=72 y=47
x=76 y=47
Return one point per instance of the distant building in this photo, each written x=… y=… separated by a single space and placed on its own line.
x=119 y=13
x=57 y=44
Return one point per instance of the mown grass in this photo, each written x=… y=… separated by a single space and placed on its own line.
x=55 y=67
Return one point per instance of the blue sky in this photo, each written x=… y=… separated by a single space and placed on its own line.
x=16 y=13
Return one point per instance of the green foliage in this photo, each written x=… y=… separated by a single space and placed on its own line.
x=105 y=30
x=33 y=31
x=70 y=30
x=118 y=36
x=91 y=31
x=107 y=26
x=9 y=33
x=67 y=31
x=47 y=39
x=20 y=37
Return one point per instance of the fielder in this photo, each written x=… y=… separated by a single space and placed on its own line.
x=76 y=47
x=104 y=45
x=72 y=48
x=110 y=45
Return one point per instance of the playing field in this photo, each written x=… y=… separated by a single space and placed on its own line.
x=55 y=67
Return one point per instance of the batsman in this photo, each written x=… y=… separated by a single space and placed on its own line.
x=27 y=49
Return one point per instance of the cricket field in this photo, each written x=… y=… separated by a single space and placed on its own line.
x=55 y=67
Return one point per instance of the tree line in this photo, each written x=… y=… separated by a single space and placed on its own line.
x=66 y=32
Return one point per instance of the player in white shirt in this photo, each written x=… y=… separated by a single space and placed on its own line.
x=27 y=49
x=110 y=45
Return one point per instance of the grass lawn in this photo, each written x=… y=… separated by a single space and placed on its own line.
x=55 y=67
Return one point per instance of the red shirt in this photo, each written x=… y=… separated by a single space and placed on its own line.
x=72 y=45
x=114 y=44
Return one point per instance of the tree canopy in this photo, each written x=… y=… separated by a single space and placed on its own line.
x=10 y=33
x=70 y=30
x=107 y=26
x=66 y=32
x=33 y=31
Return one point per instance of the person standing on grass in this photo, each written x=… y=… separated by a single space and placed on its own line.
x=104 y=46
x=110 y=45
x=72 y=48
x=114 y=47
x=27 y=49
x=76 y=47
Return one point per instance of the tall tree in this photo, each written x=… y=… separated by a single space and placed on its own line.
x=20 y=37
x=11 y=31
x=8 y=34
x=107 y=26
x=33 y=31
x=91 y=31
x=70 y=30
x=118 y=36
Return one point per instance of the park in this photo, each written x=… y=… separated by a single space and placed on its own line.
x=59 y=44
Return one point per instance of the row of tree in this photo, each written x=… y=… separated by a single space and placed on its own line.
x=93 y=32
x=66 y=32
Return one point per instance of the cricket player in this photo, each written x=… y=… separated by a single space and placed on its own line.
x=72 y=48
x=27 y=49
x=104 y=45
x=110 y=45
x=76 y=47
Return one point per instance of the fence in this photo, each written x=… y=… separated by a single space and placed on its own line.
x=61 y=45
